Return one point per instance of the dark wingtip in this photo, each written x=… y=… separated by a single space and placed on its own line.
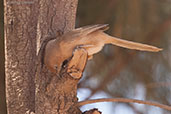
x=103 y=27
x=92 y=28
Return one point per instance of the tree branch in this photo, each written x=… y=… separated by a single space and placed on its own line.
x=125 y=100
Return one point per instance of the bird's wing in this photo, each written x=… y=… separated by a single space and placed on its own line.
x=91 y=28
x=84 y=31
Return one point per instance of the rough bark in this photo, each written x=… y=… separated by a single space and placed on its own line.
x=56 y=93
x=20 y=22
x=92 y=111
x=26 y=26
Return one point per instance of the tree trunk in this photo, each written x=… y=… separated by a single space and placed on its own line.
x=27 y=23
x=20 y=20
x=55 y=94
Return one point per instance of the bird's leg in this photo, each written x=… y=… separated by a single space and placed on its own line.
x=77 y=63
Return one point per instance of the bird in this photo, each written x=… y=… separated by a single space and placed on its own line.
x=91 y=38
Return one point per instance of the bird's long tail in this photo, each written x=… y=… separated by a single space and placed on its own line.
x=130 y=44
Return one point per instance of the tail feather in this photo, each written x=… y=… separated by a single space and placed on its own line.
x=132 y=45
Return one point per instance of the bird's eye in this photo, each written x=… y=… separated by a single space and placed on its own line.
x=56 y=67
x=64 y=63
